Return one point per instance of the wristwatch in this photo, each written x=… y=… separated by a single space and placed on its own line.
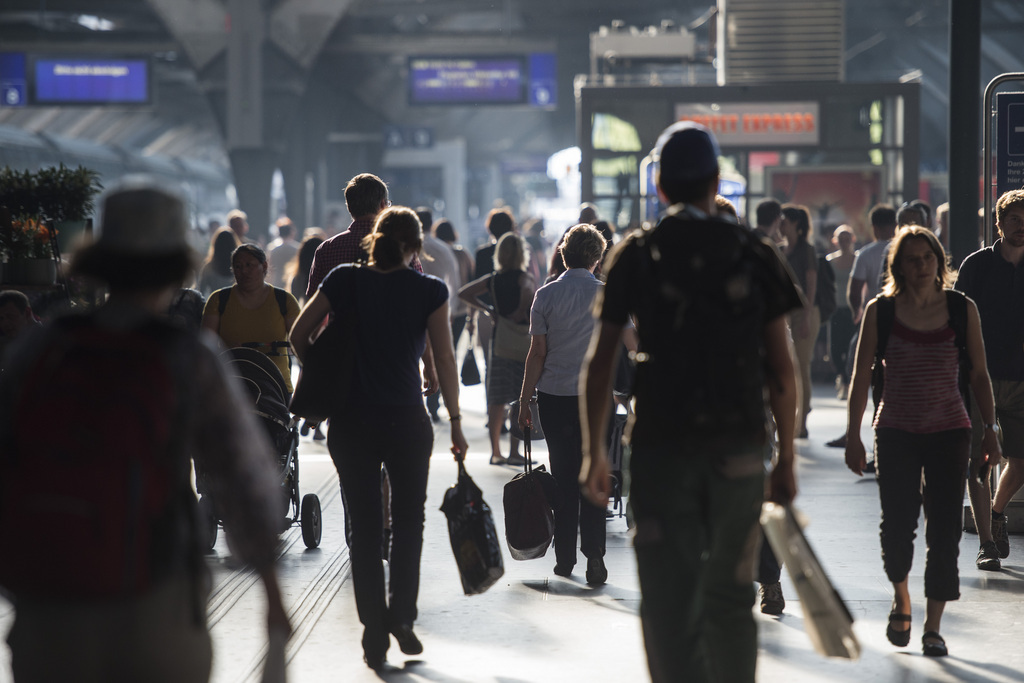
x=993 y=426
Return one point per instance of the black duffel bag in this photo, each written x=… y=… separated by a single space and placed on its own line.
x=529 y=520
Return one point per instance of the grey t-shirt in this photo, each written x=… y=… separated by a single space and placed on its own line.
x=867 y=266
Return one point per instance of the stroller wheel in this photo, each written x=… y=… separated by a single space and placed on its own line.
x=208 y=521
x=312 y=523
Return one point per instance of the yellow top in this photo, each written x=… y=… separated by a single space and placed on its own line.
x=239 y=325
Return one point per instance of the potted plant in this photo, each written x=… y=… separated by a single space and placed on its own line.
x=64 y=196
x=31 y=253
x=17 y=199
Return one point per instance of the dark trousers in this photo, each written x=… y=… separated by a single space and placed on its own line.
x=851 y=352
x=922 y=468
x=842 y=330
x=560 y=417
x=768 y=568
x=401 y=439
x=458 y=324
x=696 y=537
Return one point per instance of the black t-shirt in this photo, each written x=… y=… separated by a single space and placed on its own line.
x=506 y=287
x=997 y=287
x=484 y=261
x=701 y=292
x=390 y=311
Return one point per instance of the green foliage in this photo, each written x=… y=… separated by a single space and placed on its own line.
x=66 y=194
x=56 y=193
x=17 y=192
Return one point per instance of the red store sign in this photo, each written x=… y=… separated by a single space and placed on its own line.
x=756 y=124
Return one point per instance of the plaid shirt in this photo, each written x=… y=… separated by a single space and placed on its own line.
x=343 y=248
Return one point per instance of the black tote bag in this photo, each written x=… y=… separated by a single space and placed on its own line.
x=473 y=535
x=470 y=373
x=325 y=380
x=326 y=375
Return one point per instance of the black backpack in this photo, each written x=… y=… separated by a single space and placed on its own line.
x=956 y=302
x=701 y=361
x=825 y=294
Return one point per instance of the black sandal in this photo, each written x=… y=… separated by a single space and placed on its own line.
x=897 y=638
x=933 y=645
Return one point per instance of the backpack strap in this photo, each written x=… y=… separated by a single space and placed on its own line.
x=885 y=310
x=222 y=300
x=282 y=301
x=956 y=303
x=885 y=314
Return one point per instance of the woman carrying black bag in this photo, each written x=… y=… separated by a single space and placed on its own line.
x=561 y=324
x=385 y=422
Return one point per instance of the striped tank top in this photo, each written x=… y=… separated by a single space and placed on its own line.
x=921 y=394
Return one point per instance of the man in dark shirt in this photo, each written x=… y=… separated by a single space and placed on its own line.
x=499 y=222
x=769 y=217
x=697 y=470
x=994 y=278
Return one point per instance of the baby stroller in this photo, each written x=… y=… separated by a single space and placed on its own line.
x=266 y=386
x=618 y=461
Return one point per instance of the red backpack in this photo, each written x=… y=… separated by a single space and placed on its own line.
x=95 y=499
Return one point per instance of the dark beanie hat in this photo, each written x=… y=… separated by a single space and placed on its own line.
x=685 y=152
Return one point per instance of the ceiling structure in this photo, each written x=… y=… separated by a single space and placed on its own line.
x=361 y=71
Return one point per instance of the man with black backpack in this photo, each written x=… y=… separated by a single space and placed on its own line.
x=709 y=299
x=100 y=413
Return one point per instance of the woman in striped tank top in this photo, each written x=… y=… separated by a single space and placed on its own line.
x=922 y=428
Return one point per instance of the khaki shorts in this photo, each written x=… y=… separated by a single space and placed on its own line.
x=1009 y=414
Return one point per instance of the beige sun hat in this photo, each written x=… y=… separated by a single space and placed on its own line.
x=141 y=223
x=140 y=217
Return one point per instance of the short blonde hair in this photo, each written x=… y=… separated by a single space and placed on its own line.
x=510 y=254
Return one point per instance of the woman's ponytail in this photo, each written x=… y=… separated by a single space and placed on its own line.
x=396 y=232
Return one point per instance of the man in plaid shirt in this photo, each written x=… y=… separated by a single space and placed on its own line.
x=366 y=195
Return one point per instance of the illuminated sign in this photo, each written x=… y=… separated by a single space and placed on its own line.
x=13 y=84
x=759 y=124
x=91 y=81
x=1010 y=142
x=519 y=79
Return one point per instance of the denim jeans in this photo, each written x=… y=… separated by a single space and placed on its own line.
x=696 y=538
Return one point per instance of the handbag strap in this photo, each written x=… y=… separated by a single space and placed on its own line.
x=527 y=448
